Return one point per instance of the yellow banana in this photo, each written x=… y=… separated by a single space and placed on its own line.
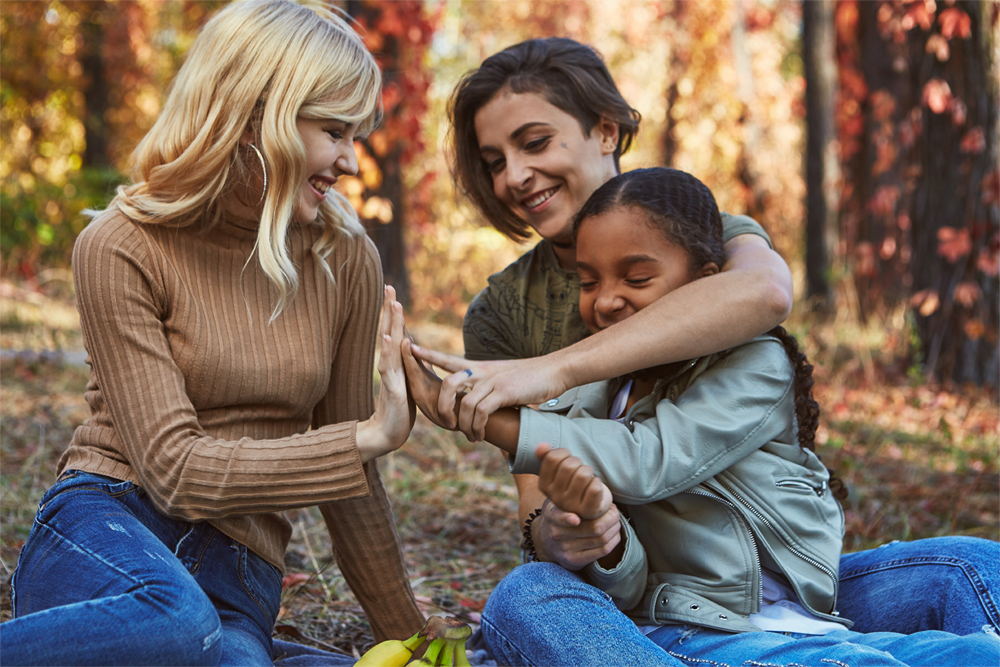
x=390 y=653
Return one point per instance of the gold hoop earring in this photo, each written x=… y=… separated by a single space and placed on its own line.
x=263 y=169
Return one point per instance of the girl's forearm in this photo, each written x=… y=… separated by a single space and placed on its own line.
x=503 y=429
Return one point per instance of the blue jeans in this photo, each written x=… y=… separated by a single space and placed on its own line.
x=288 y=654
x=106 y=579
x=941 y=583
x=541 y=614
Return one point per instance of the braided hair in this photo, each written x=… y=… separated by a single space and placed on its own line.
x=684 y=210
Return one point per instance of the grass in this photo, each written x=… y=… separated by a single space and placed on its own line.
x=919 y=461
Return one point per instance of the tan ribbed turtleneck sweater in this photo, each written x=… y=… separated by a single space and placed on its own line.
x=221 y=416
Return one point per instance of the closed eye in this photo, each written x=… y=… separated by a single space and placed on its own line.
x=495 y=166
x=537 y=145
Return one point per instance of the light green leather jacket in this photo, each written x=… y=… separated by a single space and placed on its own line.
x=708 y=471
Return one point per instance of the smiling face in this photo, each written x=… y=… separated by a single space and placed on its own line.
x=543 y=165
x=330 y=154
x=625 y=264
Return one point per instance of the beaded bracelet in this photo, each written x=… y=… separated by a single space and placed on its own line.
x=527 y=544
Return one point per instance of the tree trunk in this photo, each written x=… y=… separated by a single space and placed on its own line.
x=387 y=236
x=96 y=91
x=680 y=56
x=821 y=160
x=922 y=184
x=747 y=170
x=880 y=244
x=955 y=210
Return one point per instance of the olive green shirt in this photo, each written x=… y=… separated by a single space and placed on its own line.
x=531 y=308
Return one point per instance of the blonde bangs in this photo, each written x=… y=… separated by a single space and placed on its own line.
x=348 y=86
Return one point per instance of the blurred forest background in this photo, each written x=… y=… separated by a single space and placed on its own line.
x=862 y=135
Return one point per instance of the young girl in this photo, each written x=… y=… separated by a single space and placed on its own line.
x=230 y=304
x=731 y=524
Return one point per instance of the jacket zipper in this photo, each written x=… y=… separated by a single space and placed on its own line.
x=808 y=559
x=753 y=539
x=805 y=486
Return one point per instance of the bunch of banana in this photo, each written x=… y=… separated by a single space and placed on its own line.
x=446 y=649
x=391 y=653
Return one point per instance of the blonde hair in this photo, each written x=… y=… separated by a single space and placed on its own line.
x=258 y=64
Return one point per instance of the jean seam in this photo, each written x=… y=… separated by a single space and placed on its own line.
x=115 y=494
x=241 y=569
x=970 y=572
x=204 y=548
x=485 y=622
x=701 y=661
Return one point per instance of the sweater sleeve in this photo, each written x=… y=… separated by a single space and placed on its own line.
x=363 y=530
x=187 y=473
x=742 y=401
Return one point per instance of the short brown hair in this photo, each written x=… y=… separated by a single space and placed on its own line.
x=571 y=76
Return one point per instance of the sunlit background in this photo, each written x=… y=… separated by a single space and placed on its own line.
x=904 y=126
x=862 y=135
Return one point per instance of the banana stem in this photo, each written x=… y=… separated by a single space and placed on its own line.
x=414 y=642
x=461 y=659
x=448 y=653
x=433 y=650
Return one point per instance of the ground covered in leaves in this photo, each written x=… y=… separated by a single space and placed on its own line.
x=918 y=460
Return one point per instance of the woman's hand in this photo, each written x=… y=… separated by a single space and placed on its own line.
x=389 y=427
x=491 y=385
x=424 y=386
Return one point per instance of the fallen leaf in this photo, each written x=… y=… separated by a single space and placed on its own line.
x=988 y=262
x=955 y=22
x=975 y=329
x=953 y=244
x=937 y=95
x=974 y=141
x=967 y=293
x=925 y=301
x=938 y=45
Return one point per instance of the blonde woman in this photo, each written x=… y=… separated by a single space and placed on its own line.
x=230 y=305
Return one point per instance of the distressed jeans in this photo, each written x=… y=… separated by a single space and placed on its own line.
x=542 y=614
x=106 y=579
x=940 y=583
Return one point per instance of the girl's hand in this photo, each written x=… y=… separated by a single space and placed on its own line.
x=491 y=385
x=561 y=537
x=584 y=525
x=424 y=386
x=570 y=484
x=389 y=427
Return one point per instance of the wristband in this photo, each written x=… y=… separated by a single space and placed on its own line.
x=527 y=544
x=528 y=554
